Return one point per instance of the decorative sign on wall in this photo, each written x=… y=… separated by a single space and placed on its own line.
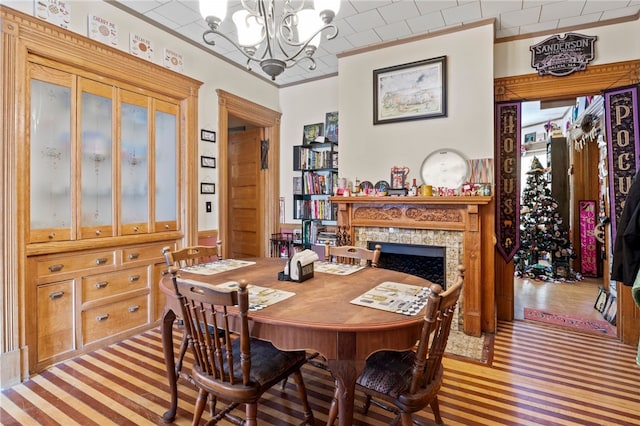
x=562 y=55
x=172 y=60
x=508 y=181
x=588 y=243
x=57 y=12
x=102 y=30
x=140 y=46
x=621 y=112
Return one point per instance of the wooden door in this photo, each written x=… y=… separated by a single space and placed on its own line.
x=244 y=208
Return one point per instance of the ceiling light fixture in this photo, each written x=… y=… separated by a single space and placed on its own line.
x=262 y=36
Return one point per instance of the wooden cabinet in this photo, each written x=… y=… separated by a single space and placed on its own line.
x=100 y=160
x=93 y=298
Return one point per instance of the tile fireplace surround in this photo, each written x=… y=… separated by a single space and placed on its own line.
x=464 y=225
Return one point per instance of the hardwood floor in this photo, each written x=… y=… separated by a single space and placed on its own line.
x=571 y=298
x=540 y=375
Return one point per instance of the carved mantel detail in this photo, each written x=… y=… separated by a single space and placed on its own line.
x=459 y=214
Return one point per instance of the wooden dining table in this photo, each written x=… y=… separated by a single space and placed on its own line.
x=318 y=317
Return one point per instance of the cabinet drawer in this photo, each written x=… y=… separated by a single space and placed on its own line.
x=112 y=283
x=55 y=319
x=52 y=266
x=114 y=318
x=149 y=253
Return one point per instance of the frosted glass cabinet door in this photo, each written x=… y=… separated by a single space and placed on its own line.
x=134 y=167
x=166 y=136
x=96 y=146
x=50 y=155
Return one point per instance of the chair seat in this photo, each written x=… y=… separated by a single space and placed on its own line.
x=388 y=372
x=268 y=364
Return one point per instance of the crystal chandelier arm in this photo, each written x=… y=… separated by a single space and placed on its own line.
x=304 y=46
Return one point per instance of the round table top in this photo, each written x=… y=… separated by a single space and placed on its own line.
x=321 y=302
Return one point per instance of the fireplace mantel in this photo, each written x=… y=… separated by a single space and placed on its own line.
x=473 y=216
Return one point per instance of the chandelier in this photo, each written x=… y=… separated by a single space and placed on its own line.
x=276 y=42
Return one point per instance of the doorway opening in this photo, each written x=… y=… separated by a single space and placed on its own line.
x=561 y=265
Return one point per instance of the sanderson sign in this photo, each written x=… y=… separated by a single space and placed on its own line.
x=561 y=56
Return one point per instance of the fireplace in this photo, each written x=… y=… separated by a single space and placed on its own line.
x=428 y=262
x=464 y=225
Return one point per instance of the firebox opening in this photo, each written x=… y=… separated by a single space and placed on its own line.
x=427 y=262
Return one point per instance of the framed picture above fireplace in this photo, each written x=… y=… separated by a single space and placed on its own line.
x=413 y=91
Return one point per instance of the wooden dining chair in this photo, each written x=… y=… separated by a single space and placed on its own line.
x=405 y=382
x=192 y=255
x=352 y=254
x=233 y=367
x=188 y=256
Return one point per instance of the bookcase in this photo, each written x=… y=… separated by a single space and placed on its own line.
x=318 y=167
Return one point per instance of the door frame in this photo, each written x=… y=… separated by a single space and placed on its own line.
x=269 y=120
x=594 y=80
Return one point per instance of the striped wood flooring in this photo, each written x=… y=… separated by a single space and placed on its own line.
x=540 y=375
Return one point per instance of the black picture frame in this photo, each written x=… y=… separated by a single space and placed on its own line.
x=208 y=162
x=311 y=131
x=412 y=91
x=207 y=135
x=207 y=188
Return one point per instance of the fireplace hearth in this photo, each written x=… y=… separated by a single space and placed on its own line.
x=428 y=262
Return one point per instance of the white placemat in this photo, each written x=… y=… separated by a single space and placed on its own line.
x=260 y=297
x=216 y=267
x=395 y=297
x=335 y=268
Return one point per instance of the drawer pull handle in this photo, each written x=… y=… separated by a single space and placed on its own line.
x=133 y=256
x=102 y=284
x=166 y=226
x=135 y=229
x=134 y=308
x=52 y=235
x=56 y=268
x=134 y=278
x=98 y=232
x=56 y=295
x=101 y=261
x=102 y=317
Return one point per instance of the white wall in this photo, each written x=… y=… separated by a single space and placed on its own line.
x=369 y=151
x=615 y=43
x=198 y=64
x=305 y=104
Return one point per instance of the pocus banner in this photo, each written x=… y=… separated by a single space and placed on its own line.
x=507 y=178
x=621 y=113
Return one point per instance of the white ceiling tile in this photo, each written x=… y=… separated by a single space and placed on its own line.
x=428 y=6
x=542 y=26
x=398 y=11
x=521 y=17
x=559 y=10
x=579 y=20
x=602 y=5
x=366 y=20
x=425 y=23
x=364 y=5
x=364 y=38
x=496 y=7
x=178 y=12
x=508 y=32
x=142 y=6
x=394 y=31
x=467 y=13
x=620 y=13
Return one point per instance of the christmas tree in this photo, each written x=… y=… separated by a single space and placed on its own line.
x=542 y=233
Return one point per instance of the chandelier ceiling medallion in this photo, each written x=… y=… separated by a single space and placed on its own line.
x=275 y=41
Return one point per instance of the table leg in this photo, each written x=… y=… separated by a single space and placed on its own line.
x=345 y=373
x=167 y=348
